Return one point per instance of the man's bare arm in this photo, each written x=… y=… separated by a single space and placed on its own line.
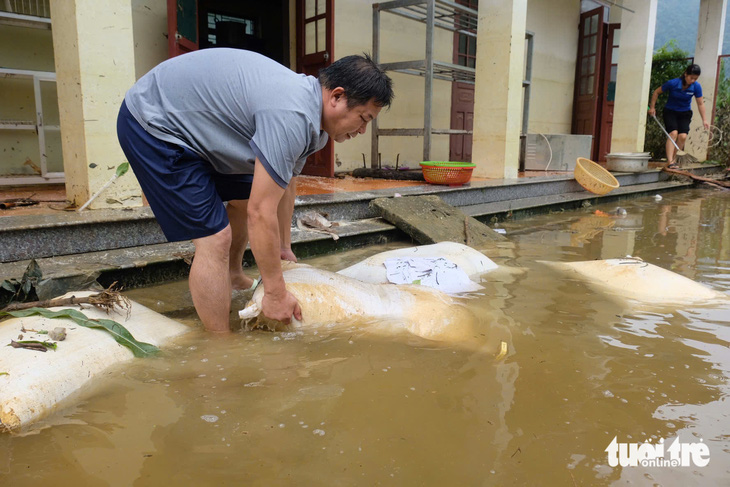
x=285 y=212
x=263 y=231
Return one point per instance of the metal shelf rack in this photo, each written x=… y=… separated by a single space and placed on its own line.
x=38 y=125
x=443 y=14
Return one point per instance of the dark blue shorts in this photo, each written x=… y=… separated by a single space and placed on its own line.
x=678 y=121
x=185 y=193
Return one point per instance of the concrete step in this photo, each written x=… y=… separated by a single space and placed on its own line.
x=69 y=233
x=148 y=264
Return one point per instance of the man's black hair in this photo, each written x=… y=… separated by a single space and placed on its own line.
x=361 y=78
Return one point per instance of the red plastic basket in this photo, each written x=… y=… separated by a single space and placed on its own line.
x=451 y=173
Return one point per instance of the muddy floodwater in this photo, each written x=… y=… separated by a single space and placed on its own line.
x=347 y=407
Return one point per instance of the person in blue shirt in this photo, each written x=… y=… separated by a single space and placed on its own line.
x=678 y=110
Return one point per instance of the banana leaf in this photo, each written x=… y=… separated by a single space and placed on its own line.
x=119 y=332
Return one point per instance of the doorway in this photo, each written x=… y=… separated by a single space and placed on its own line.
x=588 y=94
x=462 y=94
x=262 y=27
x=315 y=50
x=610 y=71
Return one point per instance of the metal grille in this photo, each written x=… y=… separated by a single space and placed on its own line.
x=36 y=8
x=447 y=14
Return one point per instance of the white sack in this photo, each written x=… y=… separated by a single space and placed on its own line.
x=36 y=381
x=471 y=261
x=634 y=279
x=329 y=299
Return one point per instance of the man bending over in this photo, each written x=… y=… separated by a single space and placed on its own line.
x=228 y=125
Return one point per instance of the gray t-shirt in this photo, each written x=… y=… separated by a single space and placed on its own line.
x=231 y=106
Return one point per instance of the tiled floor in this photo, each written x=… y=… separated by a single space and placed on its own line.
x=51 y=198
x=308 y=185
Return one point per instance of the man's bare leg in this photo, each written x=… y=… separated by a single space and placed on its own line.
x=239 y=238
x=209 y=286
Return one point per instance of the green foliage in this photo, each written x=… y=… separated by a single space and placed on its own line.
x=669 y=62
x=120 y=334
x=122 y=169
x=23 y=290
x=721 y=151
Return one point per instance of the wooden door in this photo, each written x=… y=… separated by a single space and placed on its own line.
x=462 y=94
x=315 y=44
x=182 y=26
x=587 y=95
x=609 y=91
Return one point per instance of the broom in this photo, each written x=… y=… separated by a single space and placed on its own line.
x=681 y=158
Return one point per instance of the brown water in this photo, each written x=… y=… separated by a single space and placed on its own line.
x=349 y=408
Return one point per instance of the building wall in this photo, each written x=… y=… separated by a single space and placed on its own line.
x=555 y=25
x=32 y=49
x=401 y=40
x=149 y=19
x=26 y=49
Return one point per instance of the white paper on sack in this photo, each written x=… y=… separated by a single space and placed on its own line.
x=438 y=273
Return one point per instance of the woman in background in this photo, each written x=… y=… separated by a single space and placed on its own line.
x=678 y=110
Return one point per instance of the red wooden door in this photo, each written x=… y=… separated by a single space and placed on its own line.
x=587 y=95
x=609 y=91
x=462 y=94
x=182 y=26
x=315 y=44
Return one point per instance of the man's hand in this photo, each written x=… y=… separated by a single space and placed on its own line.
x=706 y=124
x=652 y=112
x=281 y=307
x=287 y=254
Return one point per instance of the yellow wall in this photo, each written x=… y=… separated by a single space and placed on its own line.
x=555 y=25
x=27 y=49
x=32 y=49
x=149 y=19
x=94 y=67
x=401 y=40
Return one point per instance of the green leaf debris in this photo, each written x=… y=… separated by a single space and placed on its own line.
x=119 y=332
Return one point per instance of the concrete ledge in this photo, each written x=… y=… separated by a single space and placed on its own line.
x=149 y=264
x=68 y=233
x=566 y=201
x=354 y=206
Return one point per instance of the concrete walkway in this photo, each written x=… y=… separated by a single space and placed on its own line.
x=127 y=245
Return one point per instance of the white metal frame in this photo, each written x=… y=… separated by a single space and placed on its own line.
x=22 y=20
x=39 y=126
